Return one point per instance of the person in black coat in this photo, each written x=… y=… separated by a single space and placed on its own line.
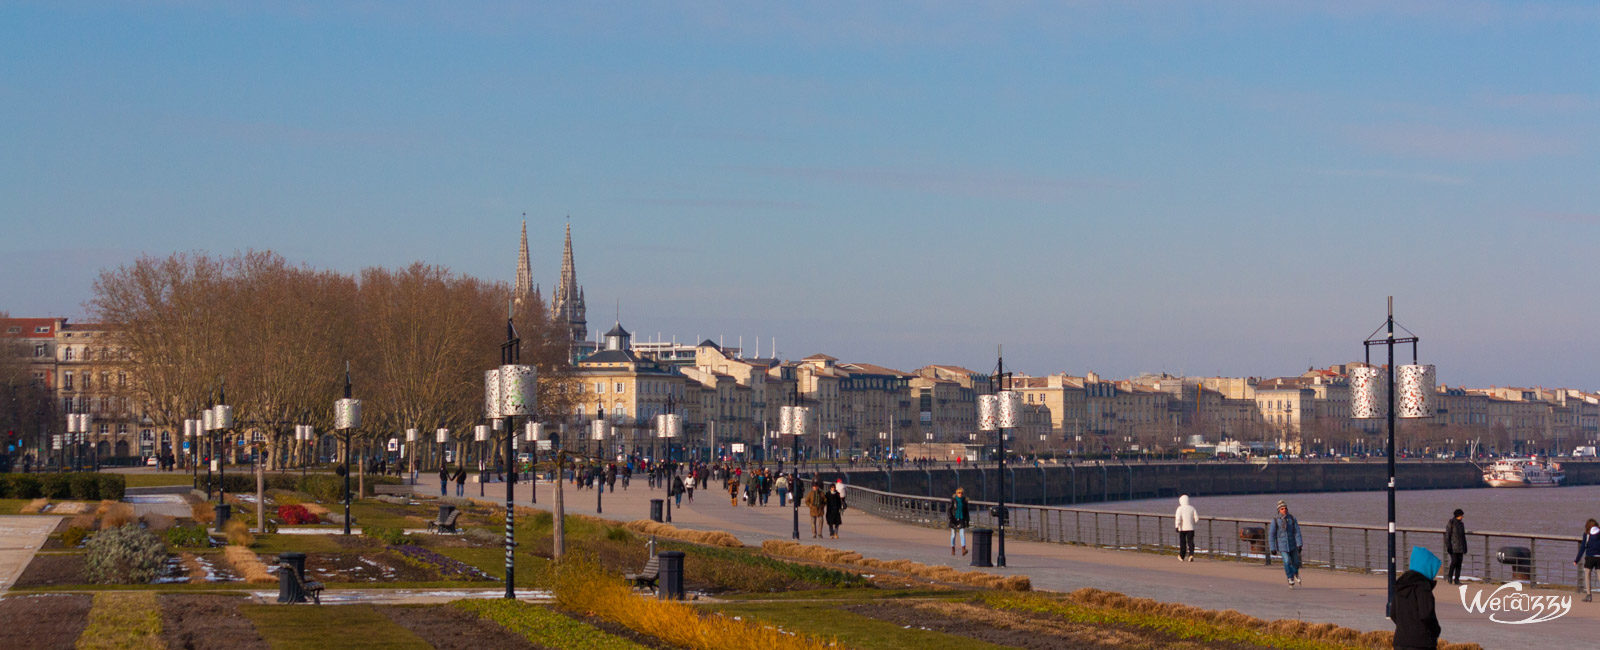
x=833 y=509
x=1455 y=545
x=1588 y=557
x=461 y=480
x=1416 y=624
x=960 y=515
x=444 y=481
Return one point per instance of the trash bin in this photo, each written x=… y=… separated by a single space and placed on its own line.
x=223 y=513
x=1519 y=558
x=981 y=541
x=288 y=588
x=445 y=510
x=655 y=509
x=671 y=577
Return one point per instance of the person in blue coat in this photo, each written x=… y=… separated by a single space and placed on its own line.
x=1284 y=537
x=1588 y=557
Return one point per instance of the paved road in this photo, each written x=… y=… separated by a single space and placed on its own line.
x=20 y=537
x=1347 y=599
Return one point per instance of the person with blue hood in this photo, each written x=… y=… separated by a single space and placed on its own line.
x=1588 y=557
x=1416 y=623
x=1284 y=537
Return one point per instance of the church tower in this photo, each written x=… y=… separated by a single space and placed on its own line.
x=524 y=286
x=568 y=307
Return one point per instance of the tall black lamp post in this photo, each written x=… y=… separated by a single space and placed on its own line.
x=1374 y=394
x=1000 y=412
x=792 y=422
x=346 y=418
x=598 y=429
x=516 y=393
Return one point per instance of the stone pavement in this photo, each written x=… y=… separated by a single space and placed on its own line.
x=1348 y=599
x=20 y=537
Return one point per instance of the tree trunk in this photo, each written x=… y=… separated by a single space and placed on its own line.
x=261 y=489
x=560 y=546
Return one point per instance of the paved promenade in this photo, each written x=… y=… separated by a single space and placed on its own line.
x=20 y=537
x=1347 y=599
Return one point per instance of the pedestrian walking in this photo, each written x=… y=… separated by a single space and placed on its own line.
x=1185 y=519
x=676 y=488
x=782 y=486
x=1284 y=537
x=461 y=480
x=960 y=515
x=816 y=504
x=834 y=508
x=688 y=488
x=1455 y=545
x=1589 y=557
x=444 y=481
x=1416 y=623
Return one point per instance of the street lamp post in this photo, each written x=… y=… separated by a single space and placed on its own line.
x=518 y=395
x=1000 y=412
x=480 y=434
x=346 y=418
x=441 y=437
x=534 y=432
x=411 y=461
x=668 y=427
x=598 y=430
x=1373 y=395
x=792 y=422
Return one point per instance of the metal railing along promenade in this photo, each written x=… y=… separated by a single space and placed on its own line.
x=1345 y=547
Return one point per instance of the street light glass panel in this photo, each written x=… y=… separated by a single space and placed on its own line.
x=785 y=420
x=1009 y=405
x=988 y=413
x=491 y=393
x=1369 y=393
x=519 y=390
x=223 y=417
x=441 y=435
x=1415 y=389
x=480 y=432
x=533 y=431
x=347 y=414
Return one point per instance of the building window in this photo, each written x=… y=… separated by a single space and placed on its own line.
x=122 y=380
x=39 y=350
x=600 y=387
x=88 y=381
x=619 y=388
x=67 y=353
x=42 y=329
x=66 y=380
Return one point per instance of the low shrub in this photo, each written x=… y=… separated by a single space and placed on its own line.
x=23 y=486
x=124 y=555
x=238 y=533
x=709 y=538
x=385 y=534
x=123 y=621
x=34 y=506
x=84 y=487
x=297 y=515
x=55 y=486
x=188 y=536
x=112 y=486
x=73 y=536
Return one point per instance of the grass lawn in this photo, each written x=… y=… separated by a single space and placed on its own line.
x=12 y=506
x=848 y=628
x=532 y=571
x=541 y=625
x=158 y=479
x=345 y=626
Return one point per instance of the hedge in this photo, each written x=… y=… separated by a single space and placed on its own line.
x=78 y=486
x=326 y=488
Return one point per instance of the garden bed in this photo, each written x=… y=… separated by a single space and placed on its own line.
x=208 y=621
x=43 y=620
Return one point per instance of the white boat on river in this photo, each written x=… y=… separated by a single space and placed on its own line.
x=1523 y=472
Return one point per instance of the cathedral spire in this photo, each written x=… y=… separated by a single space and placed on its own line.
x=569 y=303
x=524 y=285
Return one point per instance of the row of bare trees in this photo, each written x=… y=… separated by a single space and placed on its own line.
x=277 y=338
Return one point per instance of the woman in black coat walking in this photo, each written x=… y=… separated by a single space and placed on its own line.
x=1455 y=545
x=833 y=508
x=461 y=480
x=444 y=481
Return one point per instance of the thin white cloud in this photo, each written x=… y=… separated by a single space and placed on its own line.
x=1393 y=175
x=1474 y=144
x=956 y=183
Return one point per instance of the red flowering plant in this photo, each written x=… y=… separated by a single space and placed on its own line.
x=297 y=515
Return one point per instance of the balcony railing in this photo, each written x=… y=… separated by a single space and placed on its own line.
x=1344 y=547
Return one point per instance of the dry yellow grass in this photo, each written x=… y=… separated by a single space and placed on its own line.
x=1323 y=632
x=191 y=566
x=71 y=508
x=938 y=573
x=123 y=620
x=582 y=587
x=709 y=538
x=202 y=513
x=238 y=533
x=245 y=563
x=113 y=514
x=34 y=506
x=316 y=509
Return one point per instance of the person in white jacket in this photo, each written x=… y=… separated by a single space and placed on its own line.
x=1185 y=519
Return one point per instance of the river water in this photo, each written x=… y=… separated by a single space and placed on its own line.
x=1539 y=511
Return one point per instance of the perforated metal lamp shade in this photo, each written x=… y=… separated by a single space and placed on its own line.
x=519 y=389
x=1369 y=393
x=441 y=435
x=533 y=431
x=491 y=393
x=222 y=416
x=347 y=414
x=480 y=432
x=988 y=413
x=1009 y=404
x=1414 y=390
x=411 y=435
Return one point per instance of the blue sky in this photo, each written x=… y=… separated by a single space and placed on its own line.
x=1200 y=188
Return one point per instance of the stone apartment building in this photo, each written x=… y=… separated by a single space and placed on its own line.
x=80 y=364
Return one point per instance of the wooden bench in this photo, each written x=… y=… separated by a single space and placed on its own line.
x=310 y=588
x=648 y=576
x=446 y=526
x=393 y=490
